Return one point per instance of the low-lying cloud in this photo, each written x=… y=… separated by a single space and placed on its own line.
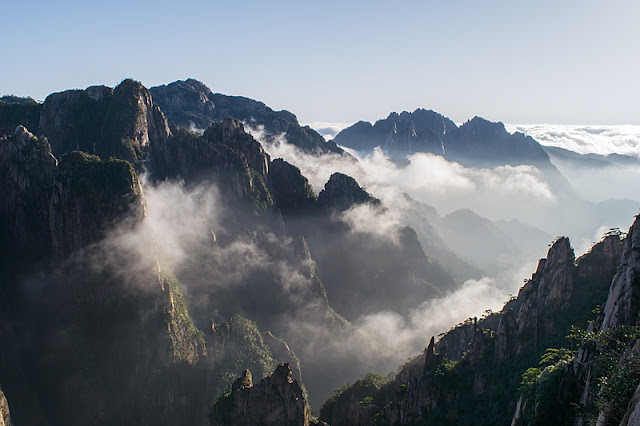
x=604 y=140
x=504 y=192
x=327 y=130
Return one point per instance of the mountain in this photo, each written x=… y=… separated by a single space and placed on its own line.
x=476 y=142
x=174 y=260
x=145 y=267
x=592 y=160
x=471 y=375
x=190 y=104
x=99 y=120
x=275 y=400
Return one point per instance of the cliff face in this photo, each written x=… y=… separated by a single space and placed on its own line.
x=107 y=122
x=275 y=400
x=620 y=311
x=470 y=376
x=623 y=302
x=225 y=155
x=51 y=209
x=123 y=313
x=291 y=191
x=16 y=111
x=191 y=105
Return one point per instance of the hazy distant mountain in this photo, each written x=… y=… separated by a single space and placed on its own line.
x=190 y=104
x=571 y=158
x=478 y=141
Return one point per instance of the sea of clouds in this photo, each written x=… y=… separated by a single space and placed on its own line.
x=587 y=139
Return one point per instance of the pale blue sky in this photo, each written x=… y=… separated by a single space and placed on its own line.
x=571 y=62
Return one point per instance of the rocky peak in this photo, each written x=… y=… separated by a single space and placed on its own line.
x=430 y=353
x=623 y=301
x=50 y=209
x=291 y=191
x=275 y=400
x=245 y=381
x=100 y=120
x=187 y=103
x=341 y=192
x=191 y=104
x=230 y=132
x=479 y=125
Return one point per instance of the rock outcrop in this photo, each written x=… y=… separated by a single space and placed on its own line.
x=51 y=209
x=275 y=400
x=291 y=191
x=488 y=357
x=103 y=121
x=341 y=192
x=623 y=302
x=225 y=155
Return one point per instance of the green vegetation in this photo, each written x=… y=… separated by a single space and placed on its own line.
x=371 y=391
x=618 y=367
x=186 y=342
x=260 y=197
x=239 y=345
x=120 y=121
x=90 y=175
x=552 y=388
x=16 y=111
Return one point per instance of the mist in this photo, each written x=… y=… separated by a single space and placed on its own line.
x=585 y=139
x=264 y=276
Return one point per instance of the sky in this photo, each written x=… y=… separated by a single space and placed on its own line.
x=557 y=62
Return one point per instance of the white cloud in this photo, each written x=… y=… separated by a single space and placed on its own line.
x=503 y=192
x=327 y=130
x=622 y=139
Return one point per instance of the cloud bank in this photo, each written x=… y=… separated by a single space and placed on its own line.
x=504 y=192
x=622 y=139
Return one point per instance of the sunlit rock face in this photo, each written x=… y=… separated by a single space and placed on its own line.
x=100 y=120
x=5 y=417
x=275 y=400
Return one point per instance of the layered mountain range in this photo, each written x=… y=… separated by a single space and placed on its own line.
x=153 y=252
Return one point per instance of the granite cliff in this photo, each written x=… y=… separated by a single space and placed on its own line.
x=274 y=400
x=471 y=375
x=99 y=120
